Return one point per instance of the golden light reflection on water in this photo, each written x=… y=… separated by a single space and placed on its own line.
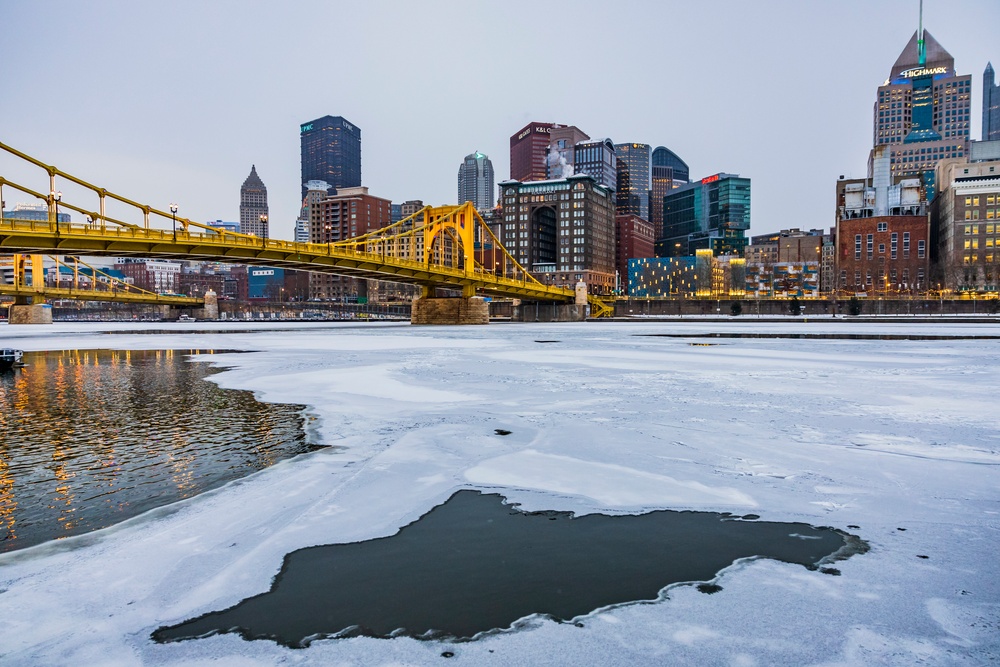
x=92 y=437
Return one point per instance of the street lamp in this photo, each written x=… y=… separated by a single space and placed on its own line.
x=263 y=224
x=173 y=217
x=56 y=198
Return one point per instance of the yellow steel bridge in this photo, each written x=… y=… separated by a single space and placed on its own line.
x=438 y=246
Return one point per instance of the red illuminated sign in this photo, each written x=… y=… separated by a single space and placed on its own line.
x=710 y=179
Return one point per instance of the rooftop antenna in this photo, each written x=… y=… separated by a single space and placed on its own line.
x=921 y=49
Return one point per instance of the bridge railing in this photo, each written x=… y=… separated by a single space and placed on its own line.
x=439 y=243
x=229 y=240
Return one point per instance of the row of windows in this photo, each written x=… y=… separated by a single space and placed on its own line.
x=991 y=214
x=973 y=258
x=891 y=278
x=870 y=245
x=973 y=244
x=990 y=200
x=974 y=229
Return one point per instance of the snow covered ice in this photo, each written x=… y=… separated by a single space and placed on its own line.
x=899 y=438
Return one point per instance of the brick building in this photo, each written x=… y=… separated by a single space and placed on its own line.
x=562 y=231
x=883 y=233
x=633 y=240
x=351 y=212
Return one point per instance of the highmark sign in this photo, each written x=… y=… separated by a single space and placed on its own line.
x=922 y=71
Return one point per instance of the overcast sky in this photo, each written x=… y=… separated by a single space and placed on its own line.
x=167 y=102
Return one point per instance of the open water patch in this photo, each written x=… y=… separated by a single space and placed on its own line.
x=476 y=564
x=90 y=438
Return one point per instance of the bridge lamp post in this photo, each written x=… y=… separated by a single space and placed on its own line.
x=56 y=198
x=173 y=217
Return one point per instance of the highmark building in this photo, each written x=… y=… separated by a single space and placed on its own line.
x=922 y=111
x=710 y=214
x=562 y=231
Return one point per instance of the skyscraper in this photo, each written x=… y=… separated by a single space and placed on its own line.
x=668 y=172
x=253 y=205
x=475 y=181
x=991 y=105
x=632 y=196
x=710 y=214
x=922 y=111
x=331 y=152
x=597 y=158
x=528 y=150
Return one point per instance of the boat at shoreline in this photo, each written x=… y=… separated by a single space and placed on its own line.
x=10 y=358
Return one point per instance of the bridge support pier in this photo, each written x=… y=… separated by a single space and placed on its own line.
x=453 y=310
x=36 y=313
x=547 y=311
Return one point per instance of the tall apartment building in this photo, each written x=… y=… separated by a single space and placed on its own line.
x=965 y=217
x=331 y=151
x=632 y=194
x=991 y=105
x=351 y=212
x=253 y=206
x=710 y=214
x=563 y=231
x=921 y=113
x=667 y=171
x=883 y=232
x=596 y=157
x=529 y=149
x=475 y=181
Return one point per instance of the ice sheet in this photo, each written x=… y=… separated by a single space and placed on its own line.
x=897 y=437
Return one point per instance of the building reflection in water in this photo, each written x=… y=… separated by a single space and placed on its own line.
x=93 y=437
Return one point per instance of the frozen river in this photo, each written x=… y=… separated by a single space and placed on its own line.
x=895 y=441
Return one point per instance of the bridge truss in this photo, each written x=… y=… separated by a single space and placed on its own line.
x=438 y=246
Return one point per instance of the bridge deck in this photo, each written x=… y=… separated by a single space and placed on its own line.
x=26 y=236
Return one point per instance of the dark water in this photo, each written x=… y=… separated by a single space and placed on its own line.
x=475 y=564
x=90 y=438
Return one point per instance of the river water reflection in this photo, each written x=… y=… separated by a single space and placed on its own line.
x=90 y=438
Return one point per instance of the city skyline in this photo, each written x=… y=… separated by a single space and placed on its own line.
x=184 y=120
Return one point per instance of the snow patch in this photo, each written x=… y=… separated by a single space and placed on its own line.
x=609 y=484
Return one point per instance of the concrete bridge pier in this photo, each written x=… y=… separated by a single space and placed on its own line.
x=210 y=311
x=22 y=312
x=465 y=309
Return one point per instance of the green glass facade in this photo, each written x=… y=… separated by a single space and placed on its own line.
x=713 y=213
